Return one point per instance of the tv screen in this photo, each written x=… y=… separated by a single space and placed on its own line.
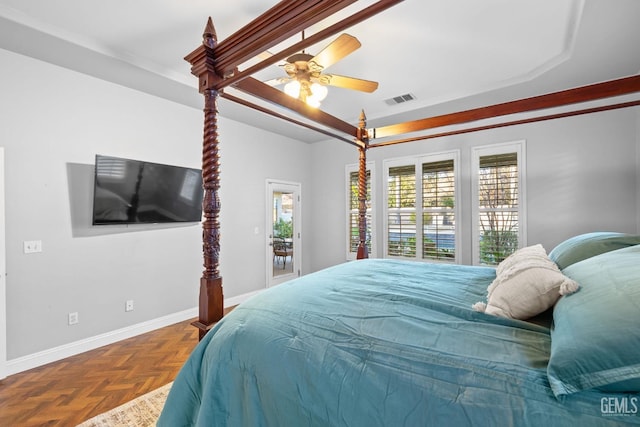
x=130 y=191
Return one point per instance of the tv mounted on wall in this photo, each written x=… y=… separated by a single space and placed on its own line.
x=130 y=191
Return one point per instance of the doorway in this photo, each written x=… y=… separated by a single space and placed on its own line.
x=283 y=231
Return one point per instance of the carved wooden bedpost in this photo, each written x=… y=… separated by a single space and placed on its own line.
x=363 y=144
x=211 y=302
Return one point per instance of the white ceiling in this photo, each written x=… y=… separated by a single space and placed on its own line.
x=450 y=55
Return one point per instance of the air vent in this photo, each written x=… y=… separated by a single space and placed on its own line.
x=400 y=99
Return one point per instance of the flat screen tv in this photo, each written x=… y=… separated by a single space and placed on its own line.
x=130 y=191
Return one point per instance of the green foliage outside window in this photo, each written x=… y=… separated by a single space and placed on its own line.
x=283 y=228
x=495 y=246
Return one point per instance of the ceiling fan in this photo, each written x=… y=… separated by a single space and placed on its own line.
x=306 y=79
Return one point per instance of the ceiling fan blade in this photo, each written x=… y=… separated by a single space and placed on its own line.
x=349 y=82
x=264 y=55
x=336 y=50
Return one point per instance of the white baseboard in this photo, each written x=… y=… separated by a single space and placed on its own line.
x=34 y=360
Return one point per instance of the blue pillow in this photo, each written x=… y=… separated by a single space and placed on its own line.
x=595 y=339
x=585 y=246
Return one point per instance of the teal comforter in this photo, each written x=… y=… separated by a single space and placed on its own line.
x=375 y=343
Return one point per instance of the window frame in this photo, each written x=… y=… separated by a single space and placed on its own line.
x=370 y=167
x=417 y=161
x=518 y=147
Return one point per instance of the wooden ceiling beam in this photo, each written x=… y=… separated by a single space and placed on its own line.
x=263 y=23
x=509 y=123
x=263 y=91
x=282 y=21
x=592 y=92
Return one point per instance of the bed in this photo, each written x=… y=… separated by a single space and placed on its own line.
x=382 y=342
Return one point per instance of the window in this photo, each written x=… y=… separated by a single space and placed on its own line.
x=353 y=234
x=438 y=213
x=498 y=202
x=424 y=219
x=401 y=211
x=421 y=195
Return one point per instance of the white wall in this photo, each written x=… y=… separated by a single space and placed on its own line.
x=54 y=121
x=328 y=235
x=582 y=175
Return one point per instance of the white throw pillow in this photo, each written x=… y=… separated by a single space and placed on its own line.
x=537 y=251
x=526 y=284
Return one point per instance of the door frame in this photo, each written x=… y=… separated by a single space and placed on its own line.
x=295 y=188
x=3 y=275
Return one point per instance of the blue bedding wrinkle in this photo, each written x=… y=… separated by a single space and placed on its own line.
x=374 y=343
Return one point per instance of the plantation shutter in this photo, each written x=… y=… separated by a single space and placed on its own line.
x=498 y=199
x=401 y=211
x=438 y=210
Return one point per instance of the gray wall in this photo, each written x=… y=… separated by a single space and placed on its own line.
x=582 y=175
x=54 y=121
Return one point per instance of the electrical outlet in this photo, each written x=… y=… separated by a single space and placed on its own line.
x=128 y=306
x=32 y=246
x=73 y=318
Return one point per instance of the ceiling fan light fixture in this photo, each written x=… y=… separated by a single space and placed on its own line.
x=311 y=94
x=319 y=91
x=292 y=88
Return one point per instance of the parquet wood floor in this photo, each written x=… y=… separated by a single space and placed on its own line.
x=72 y=390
